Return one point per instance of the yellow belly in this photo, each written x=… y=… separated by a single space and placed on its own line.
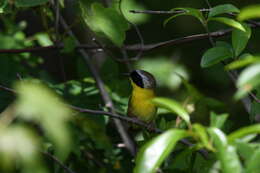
x=140 y=104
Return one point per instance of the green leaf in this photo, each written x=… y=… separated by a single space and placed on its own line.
x=244 y=149
x=221 y=9
x=201 y=132
x=243 y=132
x=173 y=106
x=229 y=22
x=106 y=22
x=186 y=12
x=215 y=55
x=249 y=12
x=244 y=60
x=29 y=3
x=252 y=165
x=248 y=80
x=154 y=152
x=217 y=120
x=128 y=5
x=240 y=39
x=226 y=153
x=43 y=39
x=37 y=103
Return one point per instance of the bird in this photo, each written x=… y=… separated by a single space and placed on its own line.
x=140 y=103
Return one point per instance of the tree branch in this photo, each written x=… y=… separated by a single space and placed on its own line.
x=67 y=169
x=134 y=47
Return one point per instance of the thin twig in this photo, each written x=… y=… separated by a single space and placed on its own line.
x=161 y=12
x=67 y=169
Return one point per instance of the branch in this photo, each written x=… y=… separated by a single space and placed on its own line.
x=161 y=12
x=67 y=169
x=134 y=47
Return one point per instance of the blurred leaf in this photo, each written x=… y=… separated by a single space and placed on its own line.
x=173 y=106
x=244 y=131
x=244 y=59
x=154 y=152
x=20 y=145
x=106 y=22
x=252 y=165
x=29 y=3
x=249 y=12
x=224 y=8
x=215 y=55
x=255 y=107
x=229 y=22
x=226 y=153
x=43 y=39
x=240 y=39
x=248 y=80
x=3 y=4
x=169 y=73
x=217 y=120
x=186 y=12
x=193 y=92
x=37 y=103
x=244 y=149
x=128 y=5
x=201 y=132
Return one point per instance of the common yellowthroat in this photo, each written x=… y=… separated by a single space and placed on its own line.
x=140 y=102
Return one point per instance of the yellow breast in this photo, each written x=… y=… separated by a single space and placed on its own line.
x=140 y=104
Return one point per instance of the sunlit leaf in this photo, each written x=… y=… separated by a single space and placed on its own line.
x=37 y=103
x=229 y=22
x=20 y=145
x=226 y=153
x=154 y=152
x=201 y=133
x=244 y=60
x=224 y=8
x=240 y=39
x=29 y=3
x=186 y=12
x=173 y=106
x=249 y=12
x=215 y=55
x=168 y=75
x=243 y=132
x=106 y=22
x=43 y=39
x=248 y=80
x=128 y=5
